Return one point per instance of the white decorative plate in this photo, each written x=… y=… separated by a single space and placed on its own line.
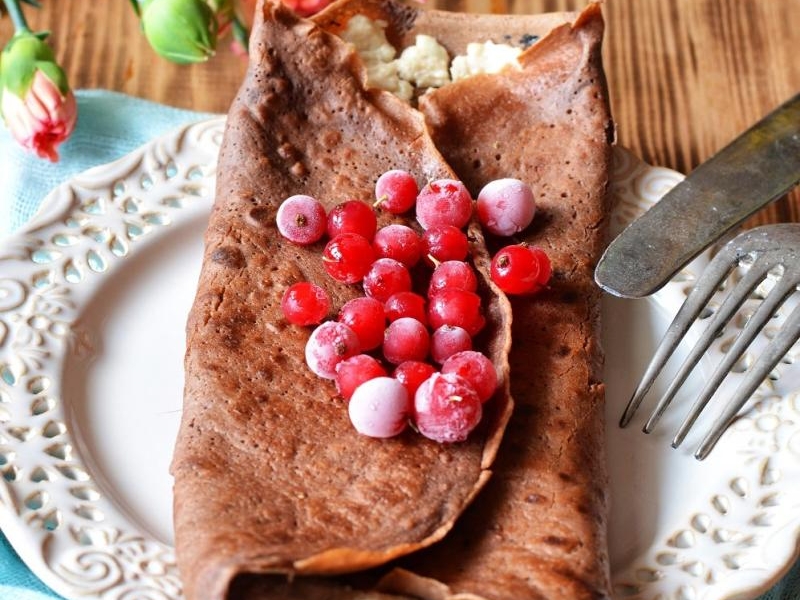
x=93 y=298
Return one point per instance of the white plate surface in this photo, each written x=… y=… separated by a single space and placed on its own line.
x=94 y=294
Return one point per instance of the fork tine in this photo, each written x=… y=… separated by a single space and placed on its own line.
x=732 y=302
x=716 y=272
x=777 y=296
x=772 y=355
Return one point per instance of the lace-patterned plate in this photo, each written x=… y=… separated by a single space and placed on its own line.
x=93 y=298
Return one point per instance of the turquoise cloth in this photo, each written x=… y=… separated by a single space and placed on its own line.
x=109 y=126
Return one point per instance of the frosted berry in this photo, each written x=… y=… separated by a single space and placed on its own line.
x=329 y=344
x=301 y=219
x=385 y=277
x=399 y=242
x=405 y=339
x=352 y=372
x=440 y=244
x=456 y=307
x=520 y=269
x=366 y=317
x=476 y=368
x=380 y=408
x=448 y=340
x=352 y=216
x=505 y=206
x=453 y=274
x=412 y=373
x=446 y=408
x=348 y=257
x=406 y=304
x=305 y=303
x=396 y=191
x=444 y=202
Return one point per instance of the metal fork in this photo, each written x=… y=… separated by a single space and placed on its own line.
x=772 y=252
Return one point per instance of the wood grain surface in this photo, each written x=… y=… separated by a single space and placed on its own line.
x=685 y=76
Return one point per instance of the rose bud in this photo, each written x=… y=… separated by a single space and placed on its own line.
x=36 y=103
x=182 y=31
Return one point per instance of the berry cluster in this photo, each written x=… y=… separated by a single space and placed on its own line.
x=438 y=381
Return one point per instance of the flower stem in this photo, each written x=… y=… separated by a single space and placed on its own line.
x=17 y=18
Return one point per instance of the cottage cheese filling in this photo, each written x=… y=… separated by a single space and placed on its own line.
x=426 y=64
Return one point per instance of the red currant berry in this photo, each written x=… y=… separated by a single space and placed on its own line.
x=301 y=219
x=352 y=372
x=386 y=277
x=545 y=266
x=365 y=316
x=305 y=303
x=352 y=216
x=405 y=339
x=456 y=307
x=406 y=304
x=399 y=242
x=476 y=368
x=412 y=373
x=452 y=274
x=505 y=206
x=329 y=344
x=440 y=244
x=396 y=191
x=446 y=408
x=520 y=269
x=444 y=202
x=448 y=340
x=348 y=257
x=380 y=408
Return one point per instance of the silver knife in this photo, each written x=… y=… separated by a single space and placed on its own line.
x=758 y=167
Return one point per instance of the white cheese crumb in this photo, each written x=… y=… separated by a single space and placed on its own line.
x=486 y=57
x=369 y=39
x=425 y=64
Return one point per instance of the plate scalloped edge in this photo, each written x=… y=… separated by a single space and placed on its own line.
x=52 y=510
x=82 y=545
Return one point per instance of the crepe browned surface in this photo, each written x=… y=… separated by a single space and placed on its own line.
x=539 y=529
x=270 y=477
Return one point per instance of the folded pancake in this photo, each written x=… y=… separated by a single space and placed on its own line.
x=270 y=476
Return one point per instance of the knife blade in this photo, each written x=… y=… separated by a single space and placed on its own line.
x=756 y=168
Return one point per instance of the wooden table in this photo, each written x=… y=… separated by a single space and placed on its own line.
x=685 y=76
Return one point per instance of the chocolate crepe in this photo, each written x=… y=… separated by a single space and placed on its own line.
x=270 y=476
x=538 y=530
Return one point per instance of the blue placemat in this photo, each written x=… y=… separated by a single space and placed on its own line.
x=109 y=126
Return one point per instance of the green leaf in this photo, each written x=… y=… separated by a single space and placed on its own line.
x=25 y=54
